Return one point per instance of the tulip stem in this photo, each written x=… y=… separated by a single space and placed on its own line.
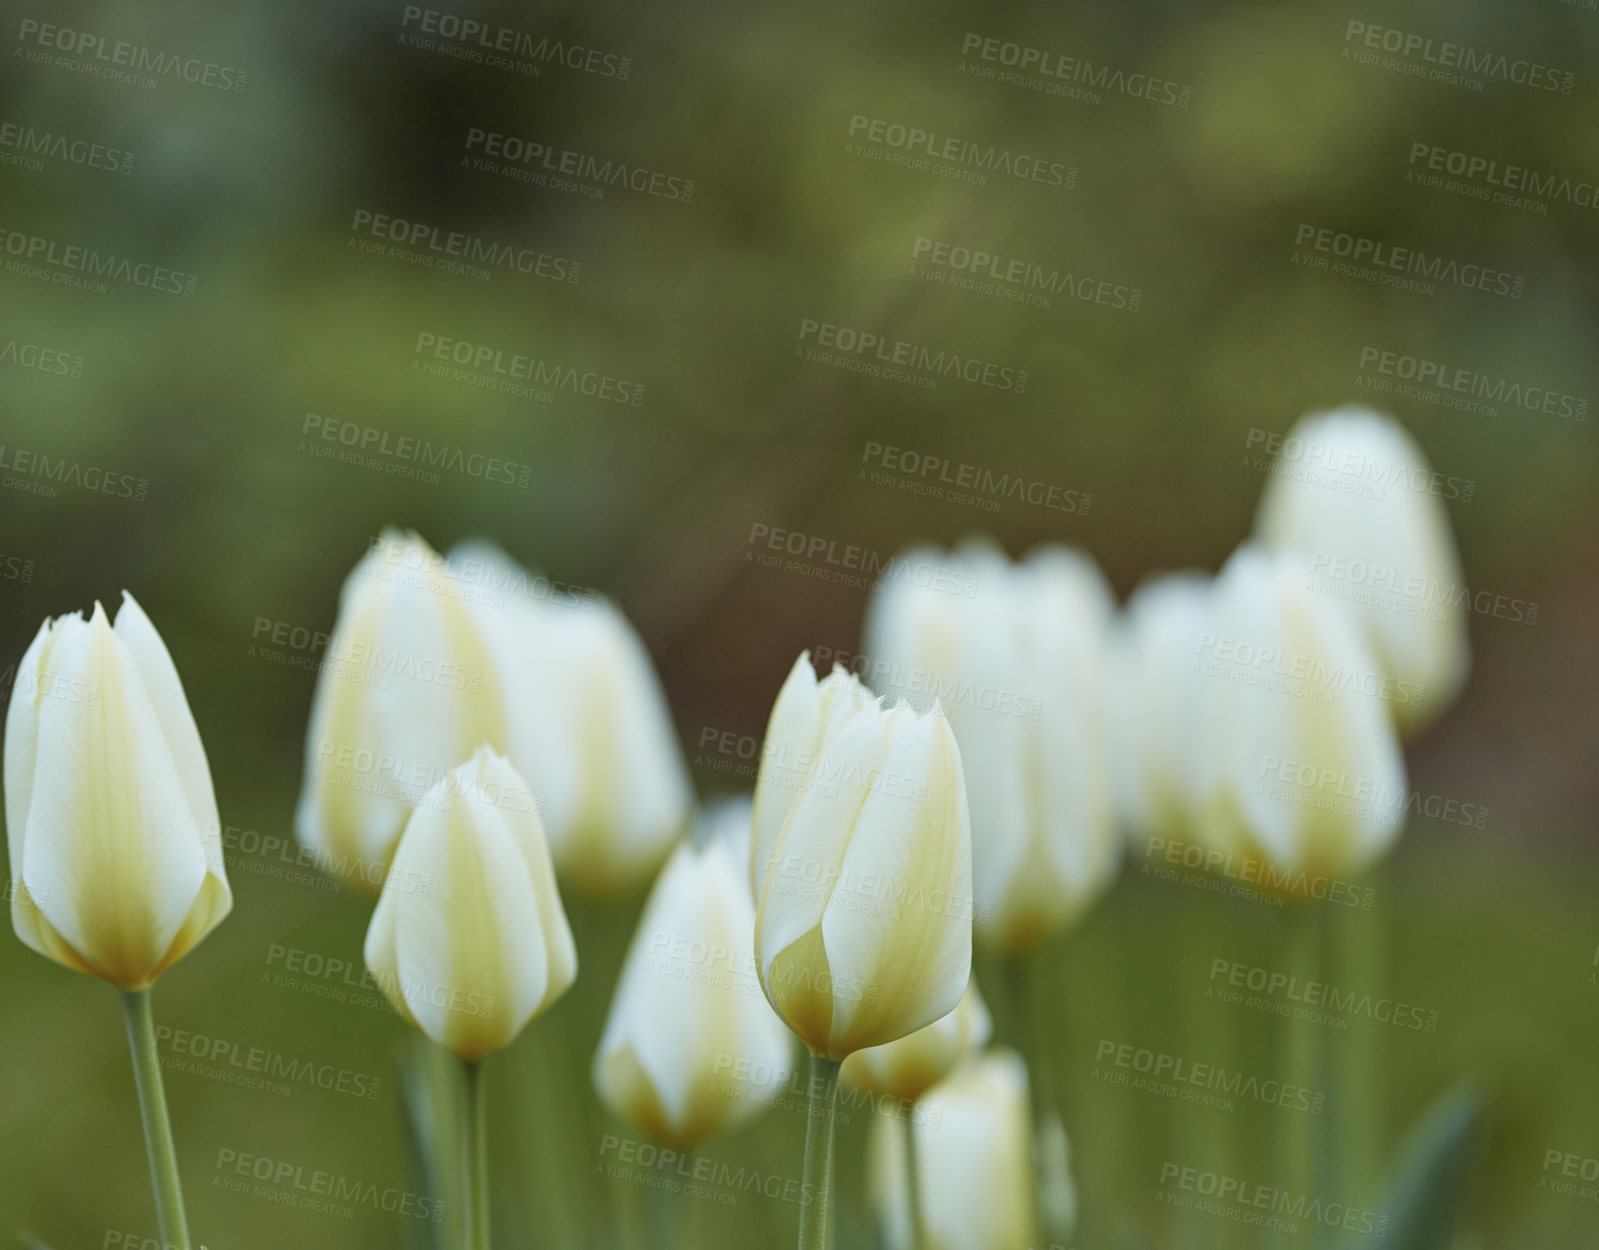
x=913 y=1185
x=476 y=1149
x=816 y=1231
x=169 y=1215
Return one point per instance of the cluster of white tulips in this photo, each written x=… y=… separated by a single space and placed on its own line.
x=519 y=740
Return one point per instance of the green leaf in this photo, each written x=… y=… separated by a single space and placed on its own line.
x=1426 y=1188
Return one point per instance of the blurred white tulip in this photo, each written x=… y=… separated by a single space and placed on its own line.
x=1353 y=494
x=1298 y=768
x=863 y=928
x=691 y=1047
x=112 y=827
x=1154 y=652
x=470 y=941
x=906 y=1069
x=973 y=1164
x=1020 y=666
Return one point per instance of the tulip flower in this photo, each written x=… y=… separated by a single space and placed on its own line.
x=1354 y=495
x=114 y=839
x=469 y=941
x=805 y=717
x=1153 y=703
x=863 y=920
x=605 y=758
x=689 y=1036
x=972 y=1176
x=906 y=1069
x=1298 y=768
x=1020 y=668
x=415 y=678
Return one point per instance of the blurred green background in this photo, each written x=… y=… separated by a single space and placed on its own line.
x=1148 y=411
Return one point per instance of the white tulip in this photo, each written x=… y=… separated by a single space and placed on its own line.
x=805 y=717
x=1355 y=496
x=1153 y=701
x=601 y=749
x=974 y=1163
x=469 y=941
x=1298 y=768
x=1020 y=667
x=689 y=1034
x=906 y=1069
x=863 y=928
x=414 y=680
x=115 y=844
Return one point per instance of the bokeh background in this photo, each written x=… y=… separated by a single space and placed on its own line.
x=204 y=400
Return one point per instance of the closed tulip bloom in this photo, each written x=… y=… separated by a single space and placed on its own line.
x=1021 y=667
x=115 y=844
x=605 y=758
x=974 y=1162
x=1377 y=537
x=805 y=717
x=906 y=1069
x=414 y=680
x=1155 y=648
x=691 y=1048
x=863 y=927
x=469 y=941
x=1297 y=762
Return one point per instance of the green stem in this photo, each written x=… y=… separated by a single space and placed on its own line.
x=1303 y=1053
x=169 y=1215
x=816 y=1232
x=913 y=1186
x=476 y=1150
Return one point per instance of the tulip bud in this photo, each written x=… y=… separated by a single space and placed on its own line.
x=115 y=843
x=805 y=717
x=1356 y=498
x=863 y=929
x=469 y=940
x=1020 y=668
x=605 y=757
x=691 y=1048
x=1154 y=650
x=906 y=1069
x=974 y=1166
x=413 y=681
x=1297 y=763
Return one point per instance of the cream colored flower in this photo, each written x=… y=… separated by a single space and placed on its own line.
x=115 y=844
x=469 y=941
x=906 y=1069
